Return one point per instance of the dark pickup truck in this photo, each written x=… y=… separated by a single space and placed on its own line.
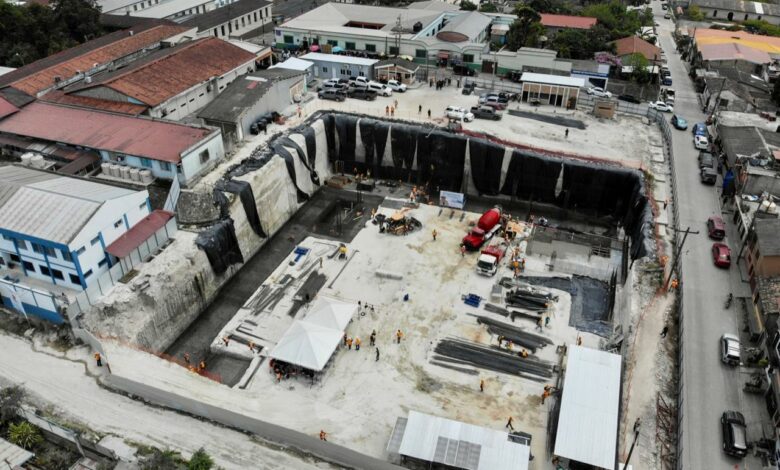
x=485 y=112
x=362 y=94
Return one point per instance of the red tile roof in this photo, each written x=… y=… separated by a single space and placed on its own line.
x=95 y=103
x=636 y=45
x=139 y=233
x=39 y=75
x=155 y=139
x=6 y=108
x=173 y=71
x=568 y=21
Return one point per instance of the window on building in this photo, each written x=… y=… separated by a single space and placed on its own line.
x=371 y=47
x=288 y=39
x=146 y=163
x=468 y=58
x=117 y=223
x=44 y=270
x=223 y=29
x=393 y=50
x=15 y=258
x=50 y=251
x=81 y=250
x=37 y=248
x=6 y=237
x=255 y=15
x=421 y=53
x=324 y=70
x=95 y=241
x=57 y=274
x=215 y=33
x=333 y=43
x=204 y=156
x=230 y=28
x=747 y=16
x=28 y=266
x=102 y=262
x=21 y=244
x=87 y=274
x=75 y=279
x=243 y=22
x=66 y=255
x=350 y=46
x=164 y=166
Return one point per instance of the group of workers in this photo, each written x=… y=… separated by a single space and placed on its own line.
x=504 y=342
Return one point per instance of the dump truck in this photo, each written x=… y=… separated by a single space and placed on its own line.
x=490 y=258
x=486 y=227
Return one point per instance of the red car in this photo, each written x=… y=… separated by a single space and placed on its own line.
x=721 y=255
x=716 y=229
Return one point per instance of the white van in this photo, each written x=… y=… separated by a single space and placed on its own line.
x=380 y=89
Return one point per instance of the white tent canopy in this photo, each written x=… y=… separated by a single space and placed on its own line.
x=331 y=313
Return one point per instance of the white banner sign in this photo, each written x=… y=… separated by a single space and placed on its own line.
x=453 y=200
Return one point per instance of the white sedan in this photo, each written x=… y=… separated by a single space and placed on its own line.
x=661 y=106
x=455 y=112
x=701 y=142
x=599 y=92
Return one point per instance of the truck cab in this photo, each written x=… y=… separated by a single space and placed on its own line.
x=489 y=259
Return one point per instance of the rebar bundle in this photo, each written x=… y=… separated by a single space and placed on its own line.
x=516 y=335
x=495 y=359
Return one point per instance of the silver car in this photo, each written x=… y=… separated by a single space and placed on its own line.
x=729 y=349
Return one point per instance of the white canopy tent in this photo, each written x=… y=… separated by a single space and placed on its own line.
x=331 y=313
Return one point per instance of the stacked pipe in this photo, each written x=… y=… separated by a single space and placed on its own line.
x=492 y=358
x=527 y=289
x=516 y=335
x=533 y=303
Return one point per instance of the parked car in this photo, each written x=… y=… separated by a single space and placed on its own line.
x=468 y=88
x=599 y=92
x=734 y=433
x=395 y=85
x=701 y=142
x=359 y=81
x=679 y=122
x=379 y=89
x=706 y=160
x=729 y=349
x=456 y=112
x=493 y=102
x=661 y=106
x=721 y=255
x=502 y=98
x=362 y=94
x=708 y=175
x=667 y=16
x=667 y=81
x=460 y=69
x=629 y=99
x=716 y=229
x=485 y=112
x=334 y=86
x=664 y=6
x=332 y=94
x=699 y=129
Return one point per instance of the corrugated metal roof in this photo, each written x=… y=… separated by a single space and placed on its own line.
x=12 y=456
x=139 y=233
x=552 y=79
x=6 y=108
x=95 y=103
x=169 y=72
x=337 y=58
x=568 y=21
x=716 y=36
x=461 y=445
x=220 y=16
x=470 y=25
x=155 y=139
x=734 y=51
x=588 y=420
x=49 y=206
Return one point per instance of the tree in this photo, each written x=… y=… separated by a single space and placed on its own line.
x=467 y=5
x=488 y=8
x=581 y=44
x=24 y=434
x=163 y=460
x=695 y=13
x=638 y=64
x=614 y=17
x=200 y=461
x=10 y=403
x=524 y=30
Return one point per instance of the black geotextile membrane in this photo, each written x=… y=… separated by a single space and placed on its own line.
x=288 y=142
x=311 y=144
x=247 y=196
x=279 y=149
x=486 y=158
x=220 y=244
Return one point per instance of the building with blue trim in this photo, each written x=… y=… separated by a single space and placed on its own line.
x=54 y=230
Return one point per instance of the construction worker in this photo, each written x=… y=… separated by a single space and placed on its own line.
x=579 y=341
x=323 y=436
x=226 y=340
x=202 y=366
x=372 y=338
x=187 y=357
x=462 y=250
x=481 y=385
x=398 y=336
x=377 y=355
x=434 y=233
x=523 y=353
x=545 y=394
x=547 y=321
x=509 y=424
x=349 y=343
x=252 y=346
x=509 y=344
x=539 y=324
x=500 y=340
x=673 y=285
x=357 y=343
x=98 y=359
x=342 y=251
x=345 y=339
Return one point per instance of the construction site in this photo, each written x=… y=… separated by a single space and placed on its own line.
x=358 y=279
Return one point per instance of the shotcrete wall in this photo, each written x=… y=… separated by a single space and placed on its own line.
x=257 y=196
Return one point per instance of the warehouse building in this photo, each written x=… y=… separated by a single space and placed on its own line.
x=234 y=20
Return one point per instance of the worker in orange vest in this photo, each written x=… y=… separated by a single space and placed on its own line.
x=349 y=343
x=398 y=336
x=98 y=359
x=357 y=344
x=323 y=435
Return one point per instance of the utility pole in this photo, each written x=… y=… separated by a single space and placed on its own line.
x=631 y=450
x=678 y=254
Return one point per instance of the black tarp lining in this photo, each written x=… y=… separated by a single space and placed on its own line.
x=220 y=244
x=290 y=163
x=288 y=142
x=244 y=191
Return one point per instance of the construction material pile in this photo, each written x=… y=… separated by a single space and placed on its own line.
x=526 y=297
x=518 y=336
x=398 y=223
x=466 y=353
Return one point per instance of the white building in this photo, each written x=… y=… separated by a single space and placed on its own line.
x=177 y=10
x=340 y=66
x=55 y=228
x=427 y=33
x=235 y=20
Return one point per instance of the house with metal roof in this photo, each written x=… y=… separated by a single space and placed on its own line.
x=339 y=66
x=172 y=82
x=234 y=20
x=250 y=97
x=54 y=230
x=426 y=34
x=166 y=149
x=719 y=10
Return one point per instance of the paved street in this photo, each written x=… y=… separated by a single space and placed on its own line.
x=709 y=387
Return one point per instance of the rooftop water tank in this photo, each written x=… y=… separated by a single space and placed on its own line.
x=135 y=174
x=124 y=172
x=105 y=168
x=146 y=176
x=27 y=159
x=114 y=170
x=37 y=161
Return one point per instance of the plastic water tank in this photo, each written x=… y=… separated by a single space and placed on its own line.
x=135 y=174
x=124 y=172
x=27 y=159
x=114 y=170
x=772 y=209
x=765 y=205
x=37 y=161
x=105 y=168
x=146 y=176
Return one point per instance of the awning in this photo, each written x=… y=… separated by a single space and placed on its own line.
x=139 y=233
x=443 y=55
x=499 y=29
x=86 y=160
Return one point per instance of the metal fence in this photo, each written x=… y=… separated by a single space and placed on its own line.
x=587 y=101
x=21 y=296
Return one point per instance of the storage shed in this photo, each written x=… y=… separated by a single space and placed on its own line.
x=556 y=90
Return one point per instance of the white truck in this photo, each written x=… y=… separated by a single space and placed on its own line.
x=490 y=258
